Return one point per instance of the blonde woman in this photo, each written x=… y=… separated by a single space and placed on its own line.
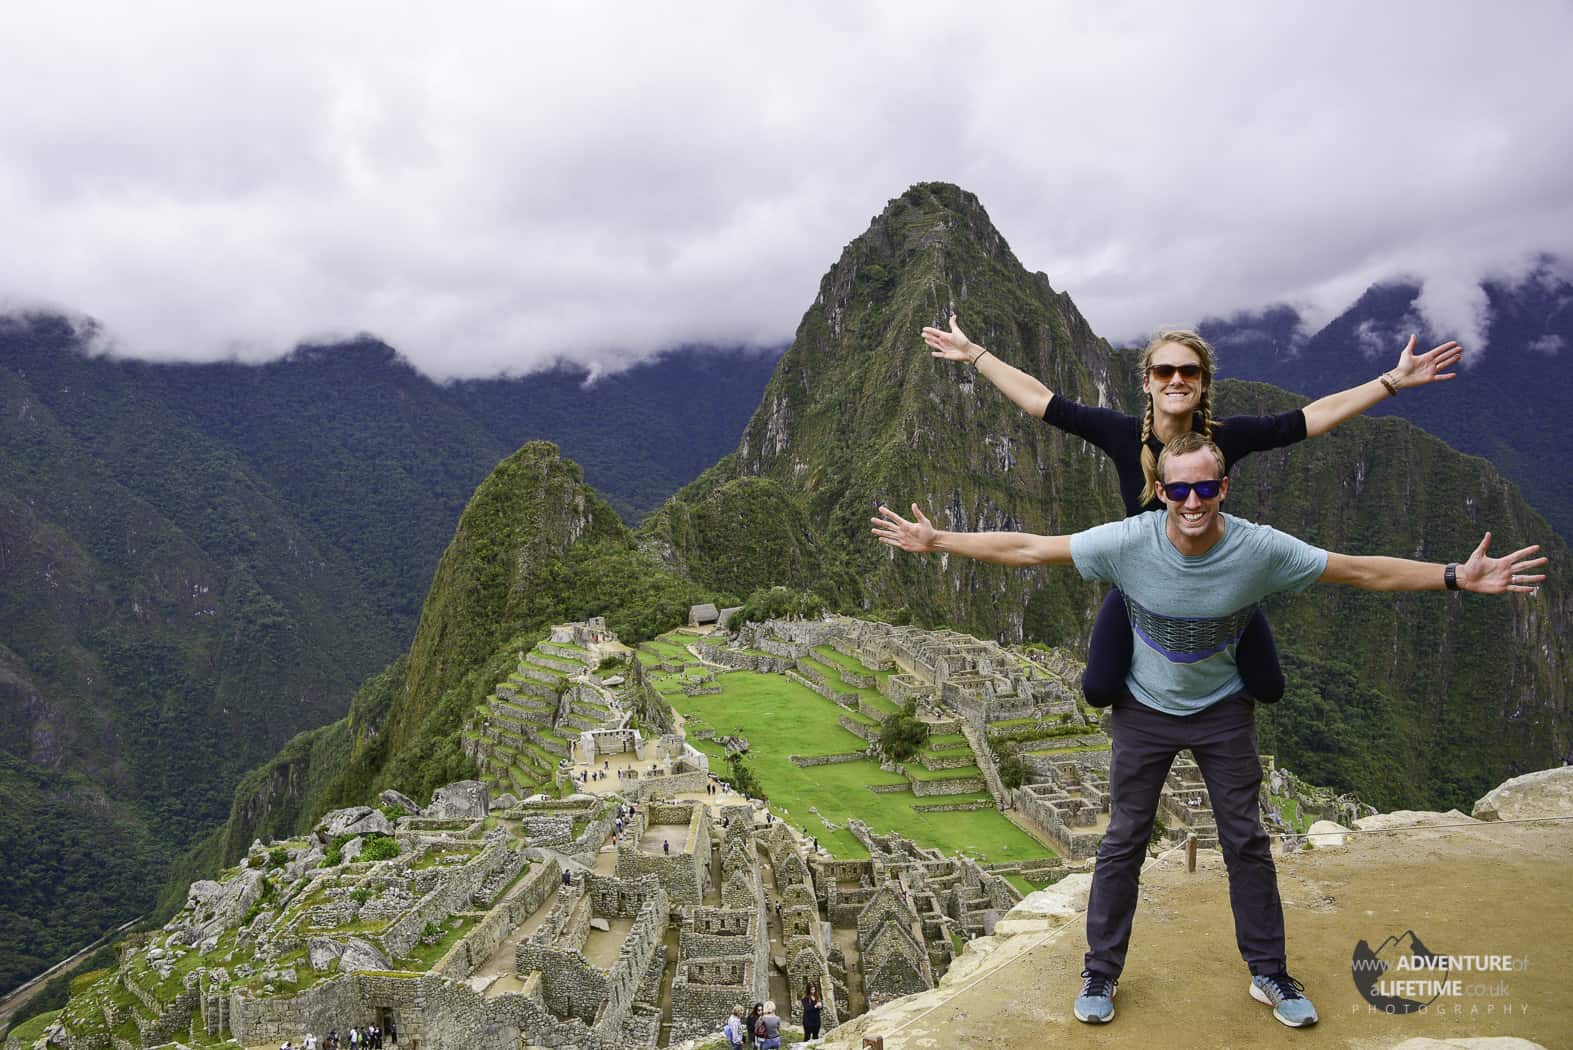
x=1177 y=370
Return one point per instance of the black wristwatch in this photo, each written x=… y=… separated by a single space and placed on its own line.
x=1450 y=576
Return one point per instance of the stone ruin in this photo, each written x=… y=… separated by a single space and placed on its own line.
x=497 y=923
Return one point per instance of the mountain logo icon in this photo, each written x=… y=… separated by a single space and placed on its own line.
x=1371 y=969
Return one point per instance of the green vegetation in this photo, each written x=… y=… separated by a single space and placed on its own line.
x=741 y=777
x=781 y=718
x=901 y=735
x=379 y=847
x=776 y=603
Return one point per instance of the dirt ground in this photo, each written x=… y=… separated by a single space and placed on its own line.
x=1494 y=889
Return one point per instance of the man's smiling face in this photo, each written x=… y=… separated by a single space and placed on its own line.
x=1194 y=523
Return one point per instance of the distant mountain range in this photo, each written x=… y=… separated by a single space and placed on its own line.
x=1512 y=402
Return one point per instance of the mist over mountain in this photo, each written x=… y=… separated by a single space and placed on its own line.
x=1511 y=403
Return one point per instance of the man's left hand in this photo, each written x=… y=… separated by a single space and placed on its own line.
x=1513 y=573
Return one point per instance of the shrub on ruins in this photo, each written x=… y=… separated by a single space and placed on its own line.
x=1013 y=772
x=379 y=847
x=278 y=856
x=741 y=777
x=901 y=736
x=776 y=603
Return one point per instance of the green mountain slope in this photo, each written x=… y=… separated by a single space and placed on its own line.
x=535 y=546
x=165 y=626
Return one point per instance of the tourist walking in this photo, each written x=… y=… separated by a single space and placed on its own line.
x=1193 y=575
x=1177 y=378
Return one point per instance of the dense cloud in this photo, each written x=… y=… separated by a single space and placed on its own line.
x=489 y=187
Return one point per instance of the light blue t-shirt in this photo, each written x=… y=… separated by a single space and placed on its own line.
x=1187 y=613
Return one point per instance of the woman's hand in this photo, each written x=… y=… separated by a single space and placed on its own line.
x=952 y=345
x=1429 y=367
x=915 y=536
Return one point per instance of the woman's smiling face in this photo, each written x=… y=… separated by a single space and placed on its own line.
x=1177 y=395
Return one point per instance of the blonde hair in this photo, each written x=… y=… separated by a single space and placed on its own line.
x=1209 y=362
x=1186 y=443
x=770 y=1006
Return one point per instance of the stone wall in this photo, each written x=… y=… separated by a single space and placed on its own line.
x=318 y=1009
x=572 y=988
x=764 y=663
x=509 y=914
x=949 y=786
x=827 y=760
x=647 y=787
x=809 y=678
x=859 y=729
x=704 y=990
x=684 y=871
x=451 y=895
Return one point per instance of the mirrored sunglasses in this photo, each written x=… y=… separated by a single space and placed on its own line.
x=1180 y=491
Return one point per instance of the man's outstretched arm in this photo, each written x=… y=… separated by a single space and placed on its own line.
x=1007 y=548
x=1481 y=574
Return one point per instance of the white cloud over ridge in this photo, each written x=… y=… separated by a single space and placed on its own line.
x=491 y=188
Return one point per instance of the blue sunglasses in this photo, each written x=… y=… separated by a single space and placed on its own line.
x=1180 y=491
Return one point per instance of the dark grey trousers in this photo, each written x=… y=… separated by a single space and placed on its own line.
x=1223 y=740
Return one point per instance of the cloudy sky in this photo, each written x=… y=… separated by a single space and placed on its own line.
x=489 y=187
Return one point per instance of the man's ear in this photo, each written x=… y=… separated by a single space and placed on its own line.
x=1223 y=490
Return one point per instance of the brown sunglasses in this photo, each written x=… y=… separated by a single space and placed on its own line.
x=1164 y=373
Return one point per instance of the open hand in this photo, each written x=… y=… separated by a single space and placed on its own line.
x=1485 y=575
x=952 y=345
x=1429 y=367
x=916 y=536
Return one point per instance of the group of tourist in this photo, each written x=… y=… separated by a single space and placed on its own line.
x=761 y=1027
x=358 y=1038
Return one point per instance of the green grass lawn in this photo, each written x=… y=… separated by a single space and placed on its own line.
x=781 y=718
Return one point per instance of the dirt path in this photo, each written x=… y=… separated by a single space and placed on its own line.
x=1492 y=890
x=19 y=996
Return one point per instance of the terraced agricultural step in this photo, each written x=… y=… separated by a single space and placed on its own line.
x=535 y=673
x=556 y=663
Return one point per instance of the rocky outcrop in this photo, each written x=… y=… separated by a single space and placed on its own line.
x=466 y=799
x=1548 y=793
x=356 y=820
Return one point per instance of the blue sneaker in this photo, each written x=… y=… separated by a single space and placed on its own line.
x=1282 y=993
x=1095 y=1004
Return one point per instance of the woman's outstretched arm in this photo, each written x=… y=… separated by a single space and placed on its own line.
x=1412 y=370
x=1028 y=393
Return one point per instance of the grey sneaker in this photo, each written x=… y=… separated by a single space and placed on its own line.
x=1095 y=1004
x=1282 y=993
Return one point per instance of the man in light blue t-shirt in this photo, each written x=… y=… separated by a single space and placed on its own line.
x=1192 y=577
